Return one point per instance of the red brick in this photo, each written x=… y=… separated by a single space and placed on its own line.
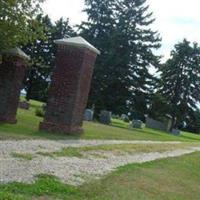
x=69 y=90
x=12 y=71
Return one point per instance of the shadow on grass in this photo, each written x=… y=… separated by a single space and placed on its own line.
x=56 y=136
x=15 y=132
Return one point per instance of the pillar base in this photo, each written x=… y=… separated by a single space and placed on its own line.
x=8 y=120
x=60 y=128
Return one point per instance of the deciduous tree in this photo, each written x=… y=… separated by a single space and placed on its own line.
x=17 y=22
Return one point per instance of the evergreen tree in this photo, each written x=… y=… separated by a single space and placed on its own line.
x=158 y=107
x=120 y=30
x=42 y=53
x=180 y=77
x=193 y=124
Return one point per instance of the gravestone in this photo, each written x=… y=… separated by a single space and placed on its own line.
x=70 y=86
x=105 y=117
x=88 y=115
x=12 y=71
x=168 y=122
x=137 y=124
x=176 y=132
x=123 y=116
x=24 y=105
x=155 y=124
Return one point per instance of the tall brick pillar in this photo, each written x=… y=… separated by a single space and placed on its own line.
x=70 y=86
x=12 y=71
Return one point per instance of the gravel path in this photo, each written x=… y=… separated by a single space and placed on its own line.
x=71 y=170
x=33 y=146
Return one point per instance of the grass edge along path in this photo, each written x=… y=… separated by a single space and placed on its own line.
x=117 y=149
x=165 y=179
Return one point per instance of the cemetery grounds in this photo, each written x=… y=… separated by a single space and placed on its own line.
x=113 y=162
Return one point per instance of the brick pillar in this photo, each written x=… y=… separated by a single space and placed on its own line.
x=12 y=71
x=70 y=86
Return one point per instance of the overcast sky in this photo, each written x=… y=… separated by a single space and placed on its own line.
x=175 y=19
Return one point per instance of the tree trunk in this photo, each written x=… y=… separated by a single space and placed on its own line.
x=173 y=122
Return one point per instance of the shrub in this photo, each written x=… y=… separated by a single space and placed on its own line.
x=126 y=119
x=39 y=112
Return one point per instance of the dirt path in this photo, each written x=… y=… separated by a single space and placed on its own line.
x=72 y=170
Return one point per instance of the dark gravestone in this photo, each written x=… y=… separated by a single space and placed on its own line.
x=176 y=132
x=70 y=86
x=24 y=105
x=12 y=71
x=105 y=117
x=137 y=124
x=155 y=124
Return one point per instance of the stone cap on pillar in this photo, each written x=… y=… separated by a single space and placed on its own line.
x=17 y=52
x=77 y=42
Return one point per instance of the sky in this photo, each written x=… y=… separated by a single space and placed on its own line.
x=175 y=19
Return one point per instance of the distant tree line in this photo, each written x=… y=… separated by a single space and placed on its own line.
x=122 y=81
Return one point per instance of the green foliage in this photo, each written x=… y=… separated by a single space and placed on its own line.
x=17 y=22
x=39 y=112
x=194 y=123
x=126 y=119
x=121 y=31
x=180 y=82
x=158 y=107
x=42 y=53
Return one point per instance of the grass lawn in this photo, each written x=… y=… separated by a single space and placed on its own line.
x=166 y=179
x=27 y=128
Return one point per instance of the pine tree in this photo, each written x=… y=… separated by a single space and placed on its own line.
x=120 y=30
x=180 y=77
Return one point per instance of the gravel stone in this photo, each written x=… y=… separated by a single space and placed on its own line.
x=71 y=170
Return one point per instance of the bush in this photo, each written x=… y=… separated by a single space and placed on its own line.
x=126 y=119
x=39 y=112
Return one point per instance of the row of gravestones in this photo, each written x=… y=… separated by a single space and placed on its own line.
x=105 y=118
x=68 y=92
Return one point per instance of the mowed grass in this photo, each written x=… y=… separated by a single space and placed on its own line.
x=166 y=179
x=28 y=123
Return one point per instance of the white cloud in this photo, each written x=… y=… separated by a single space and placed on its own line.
x=175 y=19
x=71 y=9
